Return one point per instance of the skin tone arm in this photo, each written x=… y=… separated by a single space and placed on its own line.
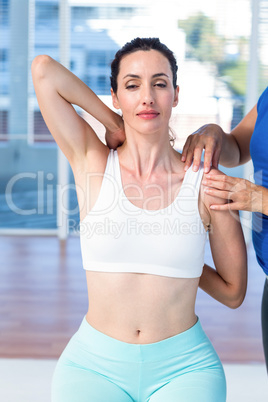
x=230 y=150
x=242 y=194
x=227 y=283
x=56 y=90
x=227 y=149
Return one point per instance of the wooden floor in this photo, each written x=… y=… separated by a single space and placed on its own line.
x=43 y=300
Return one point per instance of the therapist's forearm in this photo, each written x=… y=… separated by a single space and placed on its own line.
x=261 y=204
x=230 y=153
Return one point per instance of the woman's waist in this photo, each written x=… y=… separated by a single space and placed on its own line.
x=138 y=308
x=92 y=340
x=143 y=332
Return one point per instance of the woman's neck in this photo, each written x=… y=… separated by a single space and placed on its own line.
x=145 y=156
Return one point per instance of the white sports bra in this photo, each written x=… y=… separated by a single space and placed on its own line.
x=117 y=236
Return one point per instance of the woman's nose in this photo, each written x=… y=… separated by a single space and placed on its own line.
x=148 y=102
x=147 y=97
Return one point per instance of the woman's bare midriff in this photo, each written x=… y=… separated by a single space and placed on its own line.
x=140 y=308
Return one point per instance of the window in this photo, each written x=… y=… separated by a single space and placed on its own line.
x=82 y=13
x=4 y=84
x=4 y=68
x=88 y=81
x=46 y=41
x=114 y=12
x=3 y=60
x=46 y=13
x=126 y=12
x=4 y=12
x=72 y=65
x=3 y=124
x=96 y=58
x=102 y=84
x=41 y=131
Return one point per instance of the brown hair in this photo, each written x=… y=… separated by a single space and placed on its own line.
x=144 y=44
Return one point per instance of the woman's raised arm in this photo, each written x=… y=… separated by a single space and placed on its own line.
x=56 y=90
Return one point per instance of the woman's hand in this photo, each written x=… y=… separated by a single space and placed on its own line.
x=116 y=136
x=208 y=137
x=241 y=194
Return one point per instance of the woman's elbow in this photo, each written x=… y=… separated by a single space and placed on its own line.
x=236 y=302
x=237 y=297
x=40 y=65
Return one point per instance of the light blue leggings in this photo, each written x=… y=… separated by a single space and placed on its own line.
x=97 y=368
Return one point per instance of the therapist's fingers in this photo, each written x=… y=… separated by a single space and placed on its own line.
x=197 y=158
x=223 y=182
x=211 y=154
x=193 y=150
x=187 y=153
x=230 y=206
x=216 y=158
x=208 y=157
x=185 y=149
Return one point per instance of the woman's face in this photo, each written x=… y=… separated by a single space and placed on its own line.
x=145 y=92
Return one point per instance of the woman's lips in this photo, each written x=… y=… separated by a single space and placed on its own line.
x=148 y=114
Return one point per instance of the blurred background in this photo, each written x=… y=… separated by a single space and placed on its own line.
x=221 y=48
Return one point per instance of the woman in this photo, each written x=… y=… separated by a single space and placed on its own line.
x=247 y=140
x=143 y=231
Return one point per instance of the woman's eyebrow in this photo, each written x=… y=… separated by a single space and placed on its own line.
x=154 y=76
x=159 y=75
x=131 y=76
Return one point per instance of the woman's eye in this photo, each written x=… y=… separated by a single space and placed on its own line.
x=160 y=85
x=131 y=86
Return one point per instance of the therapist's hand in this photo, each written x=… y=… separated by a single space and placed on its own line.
x=208 y=137
x=242 y=195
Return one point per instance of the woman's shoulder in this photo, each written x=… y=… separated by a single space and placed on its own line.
x=215 y=171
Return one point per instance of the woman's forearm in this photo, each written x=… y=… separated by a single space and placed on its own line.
x=73 y=90
x=214 y=285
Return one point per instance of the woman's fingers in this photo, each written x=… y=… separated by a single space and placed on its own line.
x=115 y=139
